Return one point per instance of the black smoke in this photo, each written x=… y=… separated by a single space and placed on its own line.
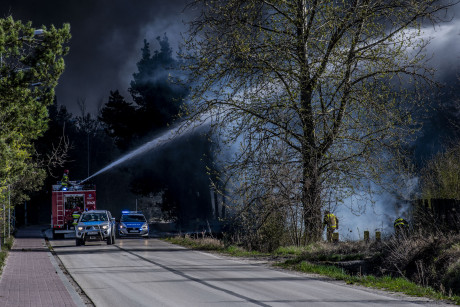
x=106 y=38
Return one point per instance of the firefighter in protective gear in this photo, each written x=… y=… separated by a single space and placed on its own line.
x=65 y=179
x=331 y=222
x=75 y=216
x=401 y=227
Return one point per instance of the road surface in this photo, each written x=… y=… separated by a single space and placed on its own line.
x=140 y=272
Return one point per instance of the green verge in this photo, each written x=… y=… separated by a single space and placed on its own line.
x=388 y=283
x=6 y=247
x=207 y=244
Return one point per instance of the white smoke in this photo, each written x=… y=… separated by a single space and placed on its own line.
x=375 y=211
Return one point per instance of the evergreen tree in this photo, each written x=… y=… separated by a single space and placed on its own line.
x=119 y=117
x=176 y=171
x=157 y=99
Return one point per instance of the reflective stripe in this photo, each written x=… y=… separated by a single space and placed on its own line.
x=332 y=220
x=400 y=222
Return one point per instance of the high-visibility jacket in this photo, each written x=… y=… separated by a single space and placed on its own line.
x=330 y=220
x=65 y=180
x=75 y=216
x=400 y=223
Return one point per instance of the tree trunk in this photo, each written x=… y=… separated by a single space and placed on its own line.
x=311 y=190
x=311 y=202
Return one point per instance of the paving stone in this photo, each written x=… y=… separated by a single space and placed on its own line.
x=29 y=278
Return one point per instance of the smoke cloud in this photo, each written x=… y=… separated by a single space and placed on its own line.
x=107 y=36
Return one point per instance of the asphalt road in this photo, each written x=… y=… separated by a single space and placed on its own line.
x=140 y=272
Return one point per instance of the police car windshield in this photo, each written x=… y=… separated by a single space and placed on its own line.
x=132 y=218
x=93 y=217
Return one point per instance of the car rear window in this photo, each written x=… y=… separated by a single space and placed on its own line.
x=132 y=218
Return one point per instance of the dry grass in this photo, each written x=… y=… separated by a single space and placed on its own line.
x=428 y=260
x=203 y=243
x=340 y=251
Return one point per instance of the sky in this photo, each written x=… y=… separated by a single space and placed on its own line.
x=107 y=37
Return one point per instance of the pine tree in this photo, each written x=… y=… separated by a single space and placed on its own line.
x=119 y=117
x=157 y=99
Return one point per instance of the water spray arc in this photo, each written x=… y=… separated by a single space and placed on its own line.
x=173 y=133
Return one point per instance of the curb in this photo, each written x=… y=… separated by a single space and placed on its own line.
x=79 y=296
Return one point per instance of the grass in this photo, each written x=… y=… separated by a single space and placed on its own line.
x=6 y=246
x=343 y=251
x=210 y=244
x=298 y=261
x=387 y=283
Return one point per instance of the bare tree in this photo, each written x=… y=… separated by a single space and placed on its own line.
x=326 y=78
x=59 y=155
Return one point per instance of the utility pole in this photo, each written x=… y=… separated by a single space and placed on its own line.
x=136 y=204
x=9 y=211
x=4 y=225
x=88 y=151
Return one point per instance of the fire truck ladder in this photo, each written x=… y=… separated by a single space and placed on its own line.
x=60 y=209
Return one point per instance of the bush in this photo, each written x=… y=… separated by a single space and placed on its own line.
x=429 y=260
x=451 y=281
x=6 y=246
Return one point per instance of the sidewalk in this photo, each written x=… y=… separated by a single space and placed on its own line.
x=31 y=276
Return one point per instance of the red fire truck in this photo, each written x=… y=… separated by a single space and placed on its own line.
x=67 y=201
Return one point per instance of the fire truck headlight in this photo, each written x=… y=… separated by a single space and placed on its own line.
x=80 y=228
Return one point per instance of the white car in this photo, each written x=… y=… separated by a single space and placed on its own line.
x=95 y=225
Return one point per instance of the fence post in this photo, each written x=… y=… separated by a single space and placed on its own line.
x=378 y=236
x=335 y=237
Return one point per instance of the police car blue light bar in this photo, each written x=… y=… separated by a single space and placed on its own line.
x=130 y=212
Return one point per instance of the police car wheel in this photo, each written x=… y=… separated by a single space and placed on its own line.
x=77 y=242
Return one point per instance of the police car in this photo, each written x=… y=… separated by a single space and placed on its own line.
x=133 y=224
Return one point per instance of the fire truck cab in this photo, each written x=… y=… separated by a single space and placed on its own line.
x=68 y=202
